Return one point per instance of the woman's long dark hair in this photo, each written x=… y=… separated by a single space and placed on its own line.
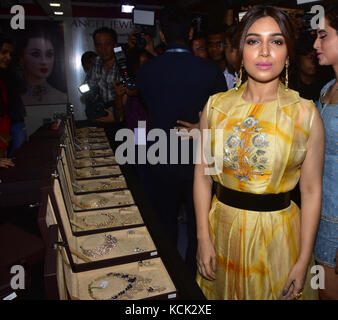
x=331 y=14
x=285 y=23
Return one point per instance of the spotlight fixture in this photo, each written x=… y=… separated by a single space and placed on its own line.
x=126 y=8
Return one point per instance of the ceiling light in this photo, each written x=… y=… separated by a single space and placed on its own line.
x=58 y=13
x=126 y=8
x=53 y=4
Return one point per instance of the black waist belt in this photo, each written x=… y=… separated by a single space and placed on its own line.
x=253 y=202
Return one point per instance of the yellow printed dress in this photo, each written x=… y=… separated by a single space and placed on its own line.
x=258 y=148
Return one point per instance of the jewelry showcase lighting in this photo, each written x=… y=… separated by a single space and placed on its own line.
x=126 y=8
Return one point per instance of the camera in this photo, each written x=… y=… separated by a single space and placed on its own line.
x=121 y=61
x=95 y=107
x=140 y=41
x=144 y=22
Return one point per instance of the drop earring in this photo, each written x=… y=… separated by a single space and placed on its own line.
x=239 y=77
x=287 y=74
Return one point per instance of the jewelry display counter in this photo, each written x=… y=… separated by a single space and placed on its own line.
x=100 y=249
x=89 y=172
x=145 y=279
x=108 y=253
x=97 y=162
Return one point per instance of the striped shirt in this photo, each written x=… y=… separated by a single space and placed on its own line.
x=97 y=76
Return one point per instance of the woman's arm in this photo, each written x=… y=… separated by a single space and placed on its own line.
x=206 y=257
x=311 y=188
x=311 y=194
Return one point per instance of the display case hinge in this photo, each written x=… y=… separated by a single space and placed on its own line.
x=60 y=244
x=55 y=175
x=35 y=205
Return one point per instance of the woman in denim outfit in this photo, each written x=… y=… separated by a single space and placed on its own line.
x=326 y=247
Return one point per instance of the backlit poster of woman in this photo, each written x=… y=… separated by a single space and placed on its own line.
x=40 y=50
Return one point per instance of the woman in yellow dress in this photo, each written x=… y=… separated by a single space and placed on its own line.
x=253 y=242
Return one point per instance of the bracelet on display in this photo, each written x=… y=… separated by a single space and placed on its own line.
x=145 y=263
x=108 y=186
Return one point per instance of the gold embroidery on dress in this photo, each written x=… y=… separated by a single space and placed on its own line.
x=243 y=150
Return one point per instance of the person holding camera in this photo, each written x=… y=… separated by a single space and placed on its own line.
x=103 y=80
x=141 y=42
x=176 y=85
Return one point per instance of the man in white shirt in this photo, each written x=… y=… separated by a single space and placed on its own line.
x=230 y=72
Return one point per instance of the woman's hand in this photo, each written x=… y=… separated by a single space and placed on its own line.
x=293 y=287
x=6 y=163
x=188 y=127
x=206 y=259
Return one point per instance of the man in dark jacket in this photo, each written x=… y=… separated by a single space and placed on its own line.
x=175 y=86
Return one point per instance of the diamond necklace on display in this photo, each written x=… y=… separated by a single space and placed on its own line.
x=110 y=242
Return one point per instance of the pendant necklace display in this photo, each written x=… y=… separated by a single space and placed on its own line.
x=133 y=284
x=101 y=220
x=109 y=243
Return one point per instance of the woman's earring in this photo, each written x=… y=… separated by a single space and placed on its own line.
x=239 y=77
x=287 y=74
